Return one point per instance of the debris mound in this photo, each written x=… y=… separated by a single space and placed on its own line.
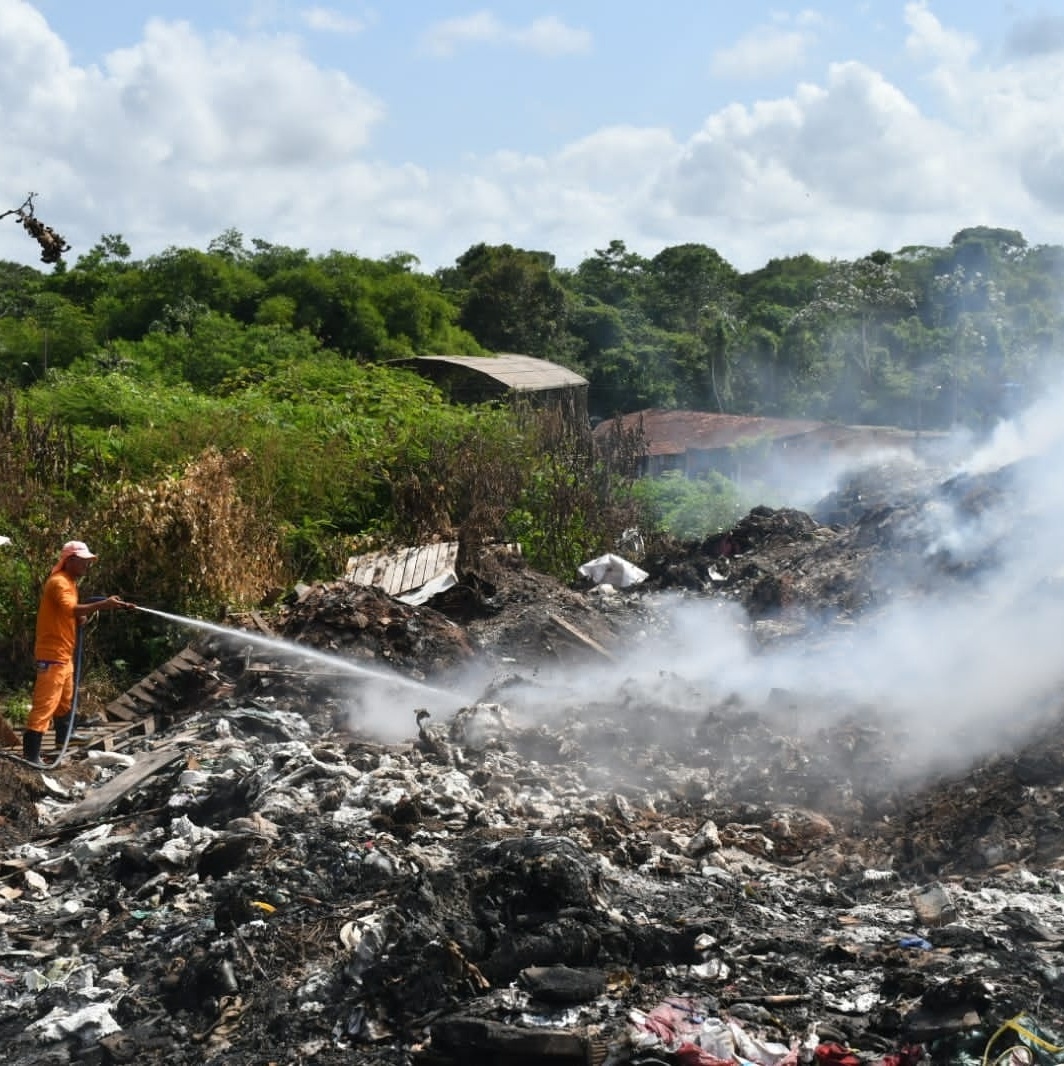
x=600 y=855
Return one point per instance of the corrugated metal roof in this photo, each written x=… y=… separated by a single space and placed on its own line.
x=674 y=432
x=400 y=571
x=522 y=373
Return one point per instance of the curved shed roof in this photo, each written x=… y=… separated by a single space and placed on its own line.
x=522 y=373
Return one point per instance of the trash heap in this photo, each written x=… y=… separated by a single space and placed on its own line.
x=579 y=862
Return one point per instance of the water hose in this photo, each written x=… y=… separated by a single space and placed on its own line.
x=72 y=715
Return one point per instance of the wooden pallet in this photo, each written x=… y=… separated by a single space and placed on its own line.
x=133 y=715
x=103 y=736
x=156 y=691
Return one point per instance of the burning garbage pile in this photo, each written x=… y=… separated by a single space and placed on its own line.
x=534 y=823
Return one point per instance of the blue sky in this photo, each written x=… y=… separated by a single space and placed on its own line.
x=760 y=129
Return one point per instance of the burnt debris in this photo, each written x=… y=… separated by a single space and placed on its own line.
x=586 y=862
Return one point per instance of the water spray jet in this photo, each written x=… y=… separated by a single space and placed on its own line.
x=278 y=645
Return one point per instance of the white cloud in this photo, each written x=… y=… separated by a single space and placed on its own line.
x=177 y=137
x=856 y=143
x=1040 y=34
x=329 y=20
x=230 y=101
x=1042 y=170
x=617 y=156
x=184 y=101
x=550 y=36
x=182 y=135
x=545 y=36
x=1006 y=118
x=445 y=38
x=949 y=51
x=767 y=50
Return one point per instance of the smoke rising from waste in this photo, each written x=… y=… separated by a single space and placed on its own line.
x=962 y=656
x=959 y=664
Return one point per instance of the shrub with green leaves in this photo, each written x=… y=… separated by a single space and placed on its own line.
x=689 y=508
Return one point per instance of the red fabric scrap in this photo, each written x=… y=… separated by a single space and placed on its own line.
x=909 y=1055
x=835 y=1055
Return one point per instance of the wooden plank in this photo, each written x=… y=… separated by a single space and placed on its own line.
x=123 y=708
x=408 y=564
x=402 y=570
x=426 y=566
x=107 y=736
x=109 y=793
x=390 y=565
x=403 y=577
x=583 y=638
x=395 y=578
x=415 y=565
x=450 y=556
x=115 y=736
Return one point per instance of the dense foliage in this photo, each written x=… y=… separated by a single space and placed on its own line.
x=223 y=423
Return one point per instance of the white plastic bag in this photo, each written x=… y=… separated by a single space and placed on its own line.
x=613 y=570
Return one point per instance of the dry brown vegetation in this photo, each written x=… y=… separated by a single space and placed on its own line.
x=191 y=538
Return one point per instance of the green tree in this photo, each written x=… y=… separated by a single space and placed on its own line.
x=613 y=275
x=18 y=286
x=847 y=312
x=685 y=283
x=689 y=508
x=269 y=259
x=334 y=301
x=510 y=299
x=229 y=245
x=51 y=333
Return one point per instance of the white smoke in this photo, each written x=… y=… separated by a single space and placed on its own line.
x=963 y=665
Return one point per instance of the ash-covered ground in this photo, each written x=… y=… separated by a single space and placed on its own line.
x=794 y=798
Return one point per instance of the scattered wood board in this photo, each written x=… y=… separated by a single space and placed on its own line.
x=582 y=638
x=108 y=794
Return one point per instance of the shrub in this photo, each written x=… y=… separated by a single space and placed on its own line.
x=690 y=509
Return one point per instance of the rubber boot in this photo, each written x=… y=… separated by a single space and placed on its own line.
x=31 y=746
x=62 y=724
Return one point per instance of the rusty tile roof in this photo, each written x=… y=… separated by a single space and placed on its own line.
x=674 y=432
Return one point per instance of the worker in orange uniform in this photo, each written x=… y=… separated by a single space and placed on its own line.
x=58 y=618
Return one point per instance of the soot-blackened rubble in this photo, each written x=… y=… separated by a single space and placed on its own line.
x=586 y=862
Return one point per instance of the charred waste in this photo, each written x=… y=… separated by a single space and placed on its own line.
x=795 y=797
